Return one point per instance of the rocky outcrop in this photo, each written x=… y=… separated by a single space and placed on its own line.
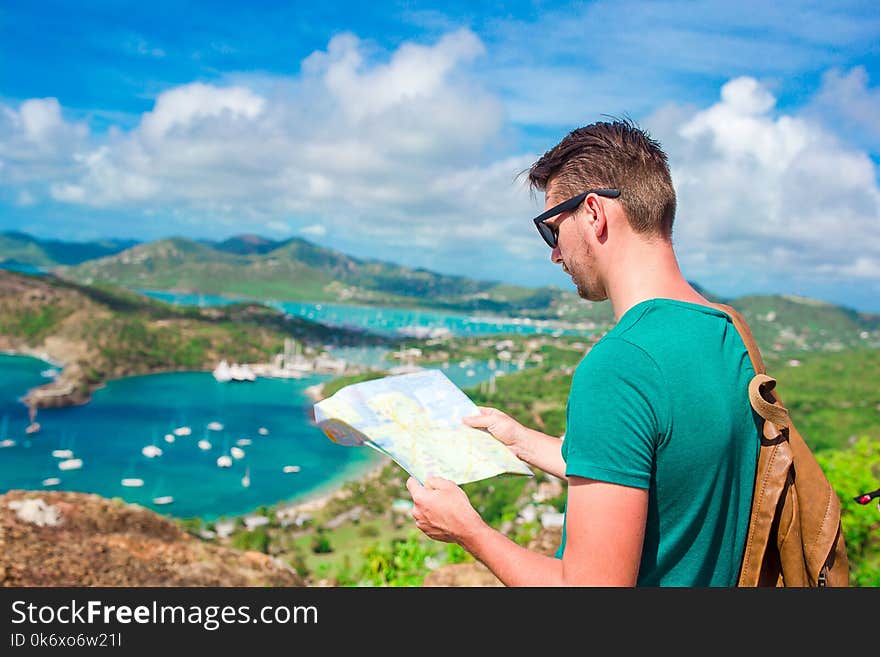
x=58 y=538
x=476 y=574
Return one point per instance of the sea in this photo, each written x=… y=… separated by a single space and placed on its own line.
x=162 y=434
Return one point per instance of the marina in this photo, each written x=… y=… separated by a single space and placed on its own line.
x=218 y=447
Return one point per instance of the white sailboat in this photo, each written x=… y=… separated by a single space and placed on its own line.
x=132 y=482
x=34 y=426
x=291 y=468
x=237 y=452
x=224 y=461
x=70 y=464
x=205 y=444
x=161 y=500
x=222 y=372
x=5 y=440
x=246 y=480
x=51 y=481
x=151 y=451
x=215 y=426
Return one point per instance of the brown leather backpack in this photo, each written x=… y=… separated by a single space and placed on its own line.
x=795 y=536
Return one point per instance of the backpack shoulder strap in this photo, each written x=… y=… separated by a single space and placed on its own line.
x=763 y=400
x=746 y=335
x=816 y=552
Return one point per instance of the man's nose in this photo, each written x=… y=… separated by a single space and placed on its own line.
x=556 y=255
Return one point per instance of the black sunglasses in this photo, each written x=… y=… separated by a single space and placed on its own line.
x=551 y=233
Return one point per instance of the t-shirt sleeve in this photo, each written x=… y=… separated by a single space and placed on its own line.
x=617 y=413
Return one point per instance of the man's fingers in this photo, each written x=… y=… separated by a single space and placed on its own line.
x=414 y=487
x=439 y=483
x=478 y=421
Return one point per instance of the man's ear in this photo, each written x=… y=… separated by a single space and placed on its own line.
x=595 y=215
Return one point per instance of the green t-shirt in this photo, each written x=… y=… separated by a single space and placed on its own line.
x=661 y=402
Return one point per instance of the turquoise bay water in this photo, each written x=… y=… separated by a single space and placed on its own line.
x=387 y=321
x=128 y=414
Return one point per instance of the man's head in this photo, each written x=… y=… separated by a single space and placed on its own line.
x=604 y=156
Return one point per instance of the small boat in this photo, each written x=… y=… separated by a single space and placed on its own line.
x=132 y=482
x=50 y=373
x=291 y=468
x=204 y=444
x=215 y=426
x=34 y=426
x=263 y=431
x=237 y=452
x=224 y=461
x=51 y=481
x=222 y=372
x=7 y=442
x=151 y=451
x=246 y=480
x=62 y=453
x=70 y=464
x=163 y=499
x=169 y=437
x=182 y=431
x=243 y=442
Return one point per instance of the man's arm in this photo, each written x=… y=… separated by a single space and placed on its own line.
x=533 y=447
x=605 y=529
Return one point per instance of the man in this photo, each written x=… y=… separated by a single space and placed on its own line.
x=661 y=444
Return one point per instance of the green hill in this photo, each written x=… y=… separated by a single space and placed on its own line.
x=100 y=333
x=20 y=248
x=297 y=270
x=255 y=267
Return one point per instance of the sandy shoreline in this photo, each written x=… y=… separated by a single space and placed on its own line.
x=318 y=500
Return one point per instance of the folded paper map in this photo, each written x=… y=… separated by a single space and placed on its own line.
x=416 y=419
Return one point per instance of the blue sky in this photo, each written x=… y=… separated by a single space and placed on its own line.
x=396 y=130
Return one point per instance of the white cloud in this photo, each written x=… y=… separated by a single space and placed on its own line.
x=181 y=107
x=37 y=144
x=315 y=230
x=279 y=227
x=847 y=100
x=767 y=194
x=25 y=199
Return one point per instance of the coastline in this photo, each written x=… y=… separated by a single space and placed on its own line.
x=316 y=500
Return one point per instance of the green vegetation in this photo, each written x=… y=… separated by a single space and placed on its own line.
x=833 y=397
x=107 y=332
x=24 y=249
x=296 y=270
x=855 y=470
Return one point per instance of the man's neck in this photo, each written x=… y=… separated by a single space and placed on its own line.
x=648 y=270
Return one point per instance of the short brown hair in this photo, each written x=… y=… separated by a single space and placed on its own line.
x=617 y=154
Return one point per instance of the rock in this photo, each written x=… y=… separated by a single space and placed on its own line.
x=36 y=511
x=102 y=542
x=462 y=574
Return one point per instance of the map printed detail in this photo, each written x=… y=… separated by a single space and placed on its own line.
x=416 y=419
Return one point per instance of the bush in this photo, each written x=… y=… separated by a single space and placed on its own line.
x=400 y=564
x=321 y=543
x=854 y=471
x=258 y=540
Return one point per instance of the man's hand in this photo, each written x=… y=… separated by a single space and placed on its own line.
x=502 y=427
x=442 y=510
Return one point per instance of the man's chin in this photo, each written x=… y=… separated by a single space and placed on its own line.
x=590 y=295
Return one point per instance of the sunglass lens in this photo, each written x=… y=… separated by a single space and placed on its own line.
x=548 y=234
